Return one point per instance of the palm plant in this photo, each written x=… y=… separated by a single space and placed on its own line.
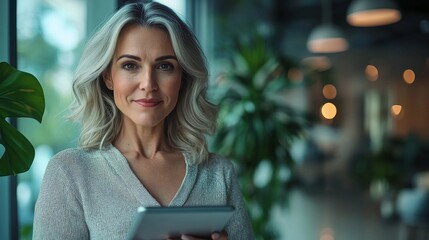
x=257 y=128
x=21 y=95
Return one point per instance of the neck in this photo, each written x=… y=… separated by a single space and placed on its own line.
x=146 y=142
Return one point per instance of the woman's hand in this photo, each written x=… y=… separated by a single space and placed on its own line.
x=215 y=236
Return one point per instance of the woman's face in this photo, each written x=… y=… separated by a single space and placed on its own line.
x=145 y=76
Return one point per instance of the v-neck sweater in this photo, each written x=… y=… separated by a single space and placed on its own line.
x=94 y=194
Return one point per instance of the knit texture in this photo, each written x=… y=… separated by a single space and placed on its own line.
x=94 y=194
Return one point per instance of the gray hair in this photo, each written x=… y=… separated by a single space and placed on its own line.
x=193 y=117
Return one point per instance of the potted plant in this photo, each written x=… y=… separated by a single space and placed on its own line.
x=21 y=95
x=257 y=128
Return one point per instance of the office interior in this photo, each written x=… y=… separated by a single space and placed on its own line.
x=352 y=156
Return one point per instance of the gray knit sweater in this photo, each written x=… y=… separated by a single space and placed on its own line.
x=93 y=194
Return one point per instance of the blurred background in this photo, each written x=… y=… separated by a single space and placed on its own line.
x=329 y=136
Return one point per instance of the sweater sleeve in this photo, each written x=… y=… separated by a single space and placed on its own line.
x=58 y=212
x=239 y=226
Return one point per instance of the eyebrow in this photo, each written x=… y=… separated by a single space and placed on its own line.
x=139 y=59
x=129 y=56
x=166 y=57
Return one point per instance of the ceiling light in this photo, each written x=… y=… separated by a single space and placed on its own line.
x=326 y=38
x=370 y=13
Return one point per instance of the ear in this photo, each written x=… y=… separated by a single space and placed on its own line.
x=107 y=78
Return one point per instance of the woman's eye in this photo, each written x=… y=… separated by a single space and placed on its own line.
x=165 y=66
x=129 y=66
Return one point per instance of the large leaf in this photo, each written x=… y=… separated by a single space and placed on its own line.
x=21 y=95
x=19 y=153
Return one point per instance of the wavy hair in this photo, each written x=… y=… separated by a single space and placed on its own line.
x=193 y=117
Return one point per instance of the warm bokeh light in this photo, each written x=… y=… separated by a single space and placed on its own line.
x=320 y=63
x=371 y=73
x=328 y=110
x=329 y=91
x=327 y=234
x=295 y=75
x=396 y=109
x=409 y=76
x=331 y=45
x=374 y=17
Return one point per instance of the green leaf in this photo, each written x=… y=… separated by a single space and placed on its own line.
x=265 y=73
x=21 y=95
x=19 y=153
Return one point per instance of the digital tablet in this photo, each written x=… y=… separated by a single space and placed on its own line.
x=153 y=223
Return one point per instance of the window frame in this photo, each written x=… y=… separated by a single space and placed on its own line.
x=9 y=228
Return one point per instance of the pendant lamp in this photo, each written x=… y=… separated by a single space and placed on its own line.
x=370 y=13
x=326 y=38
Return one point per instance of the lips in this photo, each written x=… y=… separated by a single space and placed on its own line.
x=148 y=102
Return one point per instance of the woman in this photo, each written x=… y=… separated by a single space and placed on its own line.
x=140 y=96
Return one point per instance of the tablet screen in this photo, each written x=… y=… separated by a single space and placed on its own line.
x=171 y=222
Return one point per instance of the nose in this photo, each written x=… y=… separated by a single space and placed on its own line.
x=148 y=81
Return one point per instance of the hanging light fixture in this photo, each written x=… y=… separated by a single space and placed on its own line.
x=326 y=38
x=370 y=13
